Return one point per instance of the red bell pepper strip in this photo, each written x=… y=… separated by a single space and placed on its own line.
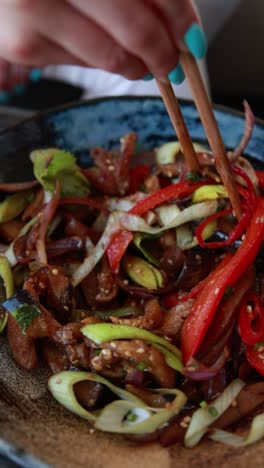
x=180 y=190
x=250 y=187
x=260 y=176
x=172 y=299
x=204 y=307
x=240 y=228
x=235 y=234
x=137 y=176
x=255 y=357
x=118 y=246
x=117 y=249
x=251 y=311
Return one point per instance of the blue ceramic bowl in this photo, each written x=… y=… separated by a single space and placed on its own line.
x=79 y=127
x=103 y=122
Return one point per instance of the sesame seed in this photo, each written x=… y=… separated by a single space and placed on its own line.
x=55 y=271
x=92 y=431
x=140 y=350
x=111 y=168
x=249 y=309
x=187 y=419
x=216 y=291
x=65 y=307
x=234 y=403
x=183 y=424
x=260 y=349
x=41 y=285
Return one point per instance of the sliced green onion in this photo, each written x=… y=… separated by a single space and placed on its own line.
x=125 y=417
x=61 y=386
x=203 y=417
x=256 y=433
x=209 y=192
x=9 y=253
x=12 y=206
x=138 y=239
x=143 y=273
x=7 y=277
x=103 y=332
x=166 y=153
x=167 y=213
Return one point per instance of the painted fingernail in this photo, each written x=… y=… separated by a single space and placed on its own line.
x=196 y=41
x=148 y=77
x=35 y=74
x=4 y=97
x=19 y=89
x=177 y=76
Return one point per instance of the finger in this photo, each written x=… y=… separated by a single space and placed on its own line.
x=137 y=28
x=184 y=25
x=21 y=44
x=82 y=38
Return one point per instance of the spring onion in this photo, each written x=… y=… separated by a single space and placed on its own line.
x=256 y=433
x=204 y=417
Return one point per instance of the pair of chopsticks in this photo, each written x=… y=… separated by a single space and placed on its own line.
x=205 y=110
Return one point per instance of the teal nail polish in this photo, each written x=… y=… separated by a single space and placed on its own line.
x=195 y=40
x=35 y=75
x=177 y=76
x=19 y=89
x=4 y=97
x=148 y=77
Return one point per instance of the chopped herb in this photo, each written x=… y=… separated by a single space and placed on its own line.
x=259 y=345
x=228 y=291
x=213 y=411
x=54 y=164
x=193 y=176
x=23 y=308
x=97 y=352
x=141 y=366
x=203 y=404
x=131 y=417
x=24 y=315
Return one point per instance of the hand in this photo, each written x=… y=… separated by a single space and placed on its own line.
x=130 y=38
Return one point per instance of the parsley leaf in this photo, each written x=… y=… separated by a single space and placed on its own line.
x=54 y=164
x=23 y=308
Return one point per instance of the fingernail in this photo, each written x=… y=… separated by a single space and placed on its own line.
x=4 y=97
x=35 y=74
x=19 y=89
x=196 y=41
x=177 y=76
x=148 y=77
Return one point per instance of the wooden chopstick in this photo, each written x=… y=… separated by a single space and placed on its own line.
x=179 y=125
x=208 y=119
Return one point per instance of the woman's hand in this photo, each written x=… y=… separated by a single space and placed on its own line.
x=130 y=38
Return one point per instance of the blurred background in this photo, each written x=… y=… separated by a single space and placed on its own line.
x=235 y=63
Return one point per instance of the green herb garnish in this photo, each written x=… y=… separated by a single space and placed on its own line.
x=54 y=164
x=228 y=291
x=213 y=411
x=203 y=404
x=131 y=417
x=193 y=176
x=23 y=308
x=141 y=365
x=258 y=345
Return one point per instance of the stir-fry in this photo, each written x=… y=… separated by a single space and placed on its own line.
x=138 y=287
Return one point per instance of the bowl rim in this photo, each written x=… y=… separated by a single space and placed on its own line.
x=84 y=102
